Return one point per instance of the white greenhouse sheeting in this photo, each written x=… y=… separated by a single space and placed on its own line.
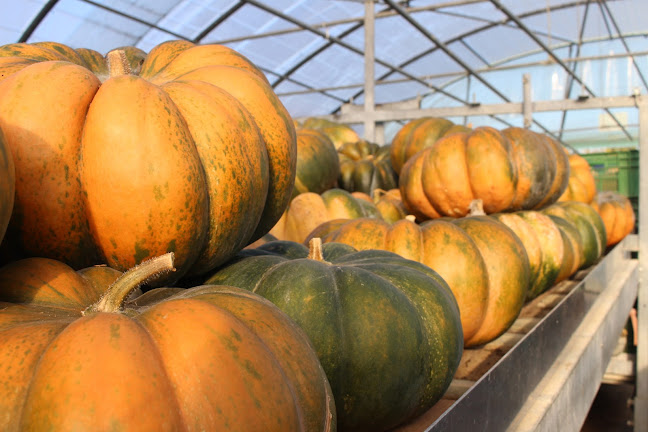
x=312 y=50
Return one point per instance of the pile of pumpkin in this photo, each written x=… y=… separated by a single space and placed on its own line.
x=132 y=185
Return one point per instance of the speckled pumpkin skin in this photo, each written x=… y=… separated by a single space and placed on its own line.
x=386 y=329
x=443 y=179
x=156 y=364
x=441 y=245
x=318 y=164
x=581 y=185
x=194 y=155
x=617 y=214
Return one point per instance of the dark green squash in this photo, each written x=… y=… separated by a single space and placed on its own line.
x=386 y=329
x=365 y=167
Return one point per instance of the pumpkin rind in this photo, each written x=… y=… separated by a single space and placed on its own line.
x=365 y=167
x=379 y=378
x=318 y=164
x=508 y=274
x=561 y=178
x=7 y=185
x=415 y=136
x=201 y=359
x=617 y=214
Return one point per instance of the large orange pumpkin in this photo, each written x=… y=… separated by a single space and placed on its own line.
x=617 y=214
x=443 y=179
x=194 y=155
x=204 y=358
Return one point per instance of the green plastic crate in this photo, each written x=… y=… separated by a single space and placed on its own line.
x=616 y=171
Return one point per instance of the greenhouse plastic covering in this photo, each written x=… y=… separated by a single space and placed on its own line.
x=442 y=53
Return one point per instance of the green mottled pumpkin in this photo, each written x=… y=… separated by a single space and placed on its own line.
x=386 y=329
x=318 y=165
x=365 y=167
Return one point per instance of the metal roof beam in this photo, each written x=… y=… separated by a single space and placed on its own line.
x=570 y=79
x=349 y=47
x=228 y=13
x=37 y=20
x=553 y=55
x=624 y=42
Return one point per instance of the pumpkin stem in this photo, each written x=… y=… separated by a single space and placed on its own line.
x=315 y=249
x=476 y=208
x=118 y=63
x=411 y=218
x=117 y=293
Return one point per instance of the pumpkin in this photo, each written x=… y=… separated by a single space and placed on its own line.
x=318 y=165
x=338 y=133
x=365 y=167
x=194 y=155
x=386 y=329
x=617 y=214
x=416 y=135
x=443 y=179
x=7 y=185
x=573 y=256
x=440 y=245
x=561 y=177
x=543 y=244
x=508 y=270
x=206 y=358
x=535 y=167
x=390 y=204
x=582 y=185
x=589 y=224
x=308 y=210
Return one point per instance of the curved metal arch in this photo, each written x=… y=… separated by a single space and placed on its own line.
x=40 y=16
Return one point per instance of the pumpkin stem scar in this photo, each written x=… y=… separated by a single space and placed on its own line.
x=117 y=293
x=476 y=208
x=118 y=63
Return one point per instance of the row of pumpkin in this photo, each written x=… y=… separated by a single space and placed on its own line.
x=111 y=162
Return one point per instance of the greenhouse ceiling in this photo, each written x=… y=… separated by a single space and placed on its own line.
x=436 y=53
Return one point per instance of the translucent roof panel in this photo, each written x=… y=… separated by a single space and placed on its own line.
x=447 y=53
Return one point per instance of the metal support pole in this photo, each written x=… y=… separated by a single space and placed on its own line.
x=369 y=84
x=641 y=398
x=526 y=101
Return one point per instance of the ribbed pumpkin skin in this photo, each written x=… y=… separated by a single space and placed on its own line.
x=573 y=256
x=617 y=214
x=318 y=164
x=589 y=225
x=535 y=167
x=458 y=169
x=120 y=167
x=309 y=210
x=507 y=266
x=154 y=366
x=386 y=329
x=7 y=185
x=414 y=137
x=390 y=204
x=561 y=178
x=440 y=245
x=365 y=167
x=544 y=246
x=581 y=186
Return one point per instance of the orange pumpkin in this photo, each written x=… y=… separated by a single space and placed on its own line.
x=581 y=186
x=417 y=135
x=205 y=358
x=338 y=133
x=617 y=214
x=308 y=210
x=443 y=179
x=561 y=177
x=195 y=155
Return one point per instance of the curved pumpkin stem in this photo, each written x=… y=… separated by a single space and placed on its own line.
x=118 y=63
x=114 y=298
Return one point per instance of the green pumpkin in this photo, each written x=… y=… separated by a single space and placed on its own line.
x=386 y=329
x=365 y=167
